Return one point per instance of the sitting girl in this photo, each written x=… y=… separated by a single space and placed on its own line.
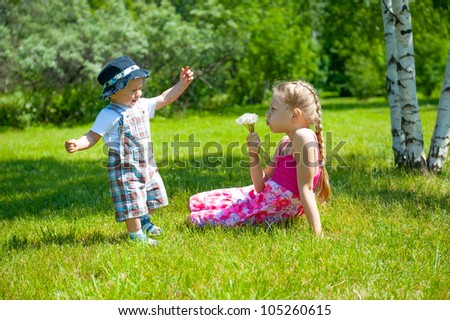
x=286 y=187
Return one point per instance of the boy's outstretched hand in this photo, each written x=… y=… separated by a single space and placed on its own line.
x=186 y=75
x=71 y=145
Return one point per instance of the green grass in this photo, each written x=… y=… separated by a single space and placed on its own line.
x=386 y=230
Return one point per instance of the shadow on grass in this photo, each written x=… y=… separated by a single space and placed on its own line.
x=200 y=174
x=387 y=186
x=270 y=229
x=52 y=237
x=47 y=187
x=361 y=180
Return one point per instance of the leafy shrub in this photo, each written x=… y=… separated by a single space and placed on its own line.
x=51 y=51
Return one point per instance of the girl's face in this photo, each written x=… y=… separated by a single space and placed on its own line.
x=129 y=95
x=277 y=117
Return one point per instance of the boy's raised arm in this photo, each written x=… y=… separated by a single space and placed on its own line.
x=172 y=94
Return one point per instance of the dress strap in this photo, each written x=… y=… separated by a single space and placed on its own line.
x=283 y=146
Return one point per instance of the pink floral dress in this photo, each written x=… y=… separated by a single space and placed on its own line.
x=244 y=206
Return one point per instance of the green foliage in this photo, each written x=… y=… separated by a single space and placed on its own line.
x=351 y=34
x=353 y=42
x=386 y=230
x=363 y=74
x=430 y=26
x=203 y=40
x=278 y=45
x=51 y=51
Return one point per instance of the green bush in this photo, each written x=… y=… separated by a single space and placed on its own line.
x=15 y=111
x=365 y=77
x=51 y=51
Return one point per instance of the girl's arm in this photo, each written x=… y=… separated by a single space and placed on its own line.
x=87 y=141
x=305 y=153
x=258 y=175
x=172 y=94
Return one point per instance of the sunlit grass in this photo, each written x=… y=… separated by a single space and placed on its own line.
x=386 y=230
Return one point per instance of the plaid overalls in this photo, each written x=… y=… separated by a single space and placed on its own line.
x=134 y=181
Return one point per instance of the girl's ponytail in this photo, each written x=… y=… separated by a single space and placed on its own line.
x=323 y=187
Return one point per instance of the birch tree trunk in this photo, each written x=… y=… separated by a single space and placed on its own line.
x=398 y=136
x=411 y=125
x=441 y=135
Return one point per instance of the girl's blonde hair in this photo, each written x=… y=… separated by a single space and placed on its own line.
x=302 y=95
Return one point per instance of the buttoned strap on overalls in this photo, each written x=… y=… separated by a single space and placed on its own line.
x=134 y=181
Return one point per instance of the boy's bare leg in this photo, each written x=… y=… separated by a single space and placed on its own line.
x=133 y=224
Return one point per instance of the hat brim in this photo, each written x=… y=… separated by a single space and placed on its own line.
x=122 y=83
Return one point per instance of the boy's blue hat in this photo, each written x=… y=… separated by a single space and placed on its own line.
x=116 y=74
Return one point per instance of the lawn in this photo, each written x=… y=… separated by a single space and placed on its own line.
x=387 y=231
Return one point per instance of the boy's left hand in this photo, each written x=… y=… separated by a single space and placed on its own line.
x=186 y=75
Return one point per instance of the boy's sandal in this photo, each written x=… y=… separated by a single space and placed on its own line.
x=154 y=230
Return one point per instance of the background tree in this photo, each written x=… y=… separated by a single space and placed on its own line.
x=398 y=136
x=441 y=135
x=401 y=64
x=406 y=70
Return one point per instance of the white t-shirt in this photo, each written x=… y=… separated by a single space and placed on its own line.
x=108 y=122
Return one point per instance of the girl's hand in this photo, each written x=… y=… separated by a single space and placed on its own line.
x=253 y=142
x=186 y=75
x=71 y=145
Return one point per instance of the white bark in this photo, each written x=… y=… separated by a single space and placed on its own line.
x=441 y=135
x=411 y=125
x=398 y=137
